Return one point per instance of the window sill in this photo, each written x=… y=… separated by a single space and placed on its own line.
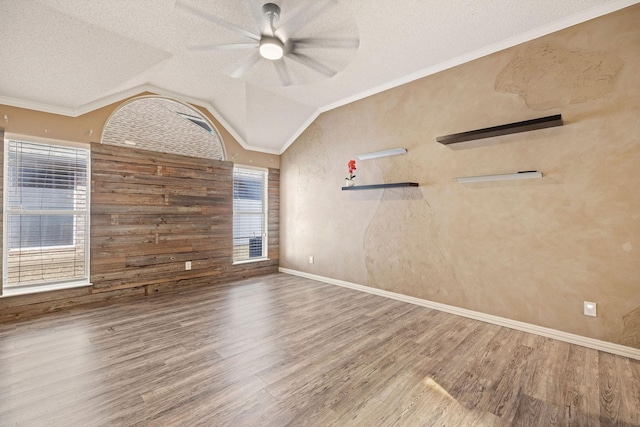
x=36 y=289
x=249 y=261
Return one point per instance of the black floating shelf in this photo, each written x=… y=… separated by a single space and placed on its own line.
x=371 y=187
x=525 y=126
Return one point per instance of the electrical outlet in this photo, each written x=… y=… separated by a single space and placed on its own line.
x=590 y=308
x=310 y=260
x=187 y=265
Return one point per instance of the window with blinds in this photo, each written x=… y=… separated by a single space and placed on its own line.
x=46 y=216
x=249 y=214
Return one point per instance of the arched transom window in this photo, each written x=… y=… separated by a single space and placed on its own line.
x=164 y=125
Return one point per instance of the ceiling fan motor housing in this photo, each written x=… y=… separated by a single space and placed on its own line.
x=271 y=11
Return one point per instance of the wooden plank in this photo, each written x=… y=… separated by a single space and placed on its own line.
x=127 y=199
x=146 y=260
x=177 y=228
x=133 y=180
x=125 y=220
x=49 y=306
x=102 y=151
x=581 y=394
x=132 y=246
x=99 y=186
x=30 y=299
x=106 y=208
x=617 y=405
x=185 y=278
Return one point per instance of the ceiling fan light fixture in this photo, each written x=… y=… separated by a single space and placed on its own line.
x=271 y=48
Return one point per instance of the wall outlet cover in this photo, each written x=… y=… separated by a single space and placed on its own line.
x=590 y=308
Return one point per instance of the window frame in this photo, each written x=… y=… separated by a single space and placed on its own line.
x=65 y=283
x=265 y=214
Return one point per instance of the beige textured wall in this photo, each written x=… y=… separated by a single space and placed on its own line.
x=532 y=250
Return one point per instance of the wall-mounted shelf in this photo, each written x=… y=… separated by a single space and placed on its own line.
x=525 y=126
x=383 y=153
x=371 y=187
x=501 y=177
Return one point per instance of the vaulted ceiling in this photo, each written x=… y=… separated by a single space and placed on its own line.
x=73 y=56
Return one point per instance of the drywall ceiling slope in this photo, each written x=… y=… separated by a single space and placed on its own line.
x=72 y=56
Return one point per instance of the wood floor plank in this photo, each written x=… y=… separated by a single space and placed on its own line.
x=581 y=394
x=545 y=381
x=618 y=406
x=280 y=350
x=503 y=394
x=529 y=412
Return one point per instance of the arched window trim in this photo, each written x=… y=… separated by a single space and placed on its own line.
x=197 y=116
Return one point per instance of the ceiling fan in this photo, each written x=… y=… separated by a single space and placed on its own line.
x=275 y=43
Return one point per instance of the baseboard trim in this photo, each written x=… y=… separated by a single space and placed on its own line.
x=592 y=343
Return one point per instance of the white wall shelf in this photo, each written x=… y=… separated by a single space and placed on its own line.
x=501 y=177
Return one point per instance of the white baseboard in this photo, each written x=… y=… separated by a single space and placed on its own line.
x=592 y=343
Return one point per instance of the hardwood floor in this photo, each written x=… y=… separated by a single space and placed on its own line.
x=282 y=350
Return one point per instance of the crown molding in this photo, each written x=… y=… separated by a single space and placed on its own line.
x=129 y=93
x=561 y=24
x=37 y=106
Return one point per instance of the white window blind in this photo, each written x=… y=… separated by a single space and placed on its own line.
x=46 y=215
x=249 y=214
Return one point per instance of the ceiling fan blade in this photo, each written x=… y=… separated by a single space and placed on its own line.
x=309 y=62
x=306 y=15
x=328 y=42
x=181 y=5
x=239 y=72
x=283 y=72
x=228 y=46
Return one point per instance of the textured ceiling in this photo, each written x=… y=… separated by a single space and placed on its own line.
x=72 y=56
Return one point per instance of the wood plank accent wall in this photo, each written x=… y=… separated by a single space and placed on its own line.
x=273 y=227
x=1 y=202
x=151 y=212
